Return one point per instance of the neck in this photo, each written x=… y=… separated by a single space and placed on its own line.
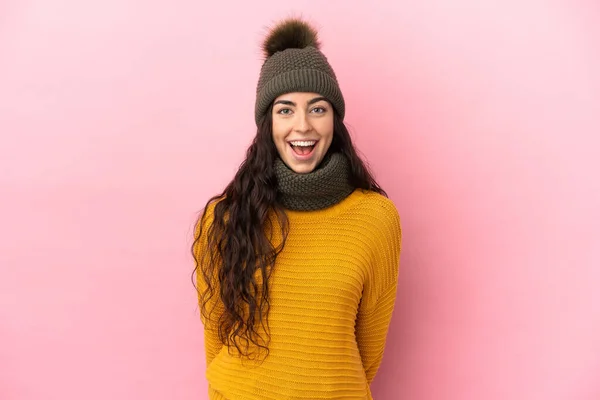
x=327 y=185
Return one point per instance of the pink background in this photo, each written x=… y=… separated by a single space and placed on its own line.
x=118 y=119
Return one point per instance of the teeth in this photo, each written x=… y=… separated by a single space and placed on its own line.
x=305 y=143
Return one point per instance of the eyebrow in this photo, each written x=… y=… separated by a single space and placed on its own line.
x=291 y=103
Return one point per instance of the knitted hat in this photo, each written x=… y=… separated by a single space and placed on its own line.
x=294 y=63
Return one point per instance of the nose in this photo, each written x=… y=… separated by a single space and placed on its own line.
x=302 y=124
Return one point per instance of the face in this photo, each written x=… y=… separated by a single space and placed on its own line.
x=302 y=129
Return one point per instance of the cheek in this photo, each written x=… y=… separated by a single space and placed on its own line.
x=326 y=130
x=278 y=138
x=276 y=132
x=279 y=131
x=279 y=141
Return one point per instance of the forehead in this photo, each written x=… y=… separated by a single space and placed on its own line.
x=298 y=97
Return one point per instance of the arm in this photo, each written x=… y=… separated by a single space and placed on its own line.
x=212 y=343
x=375 y=311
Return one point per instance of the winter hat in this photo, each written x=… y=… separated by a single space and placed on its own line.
x=294 y=63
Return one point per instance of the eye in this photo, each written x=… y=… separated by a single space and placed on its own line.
x=319 y=110
x=284 y=111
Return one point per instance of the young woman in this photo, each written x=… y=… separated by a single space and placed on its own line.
x=297 y=260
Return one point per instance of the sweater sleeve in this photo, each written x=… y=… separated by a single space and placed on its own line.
x=379 y=294
x=212 y=343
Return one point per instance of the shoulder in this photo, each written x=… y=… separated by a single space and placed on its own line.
x=380 y=201
x=374 y=215
x=209 y=210
x=206 y=216
x=381 y=208
x=384 y=220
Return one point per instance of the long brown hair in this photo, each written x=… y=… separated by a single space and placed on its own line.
x=239 y=239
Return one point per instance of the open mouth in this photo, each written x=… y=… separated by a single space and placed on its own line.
x=303 y=148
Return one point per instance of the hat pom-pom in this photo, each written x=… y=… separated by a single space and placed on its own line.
x=290 y=33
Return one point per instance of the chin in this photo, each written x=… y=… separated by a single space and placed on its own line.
x=302 y=167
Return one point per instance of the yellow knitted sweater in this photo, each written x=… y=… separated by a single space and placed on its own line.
x=332 y=295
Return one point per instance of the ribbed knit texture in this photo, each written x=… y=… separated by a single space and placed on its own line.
x=325 y=186
x=297 y=70
x=332 y=295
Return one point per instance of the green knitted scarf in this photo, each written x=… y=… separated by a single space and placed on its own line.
x=327 y=185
